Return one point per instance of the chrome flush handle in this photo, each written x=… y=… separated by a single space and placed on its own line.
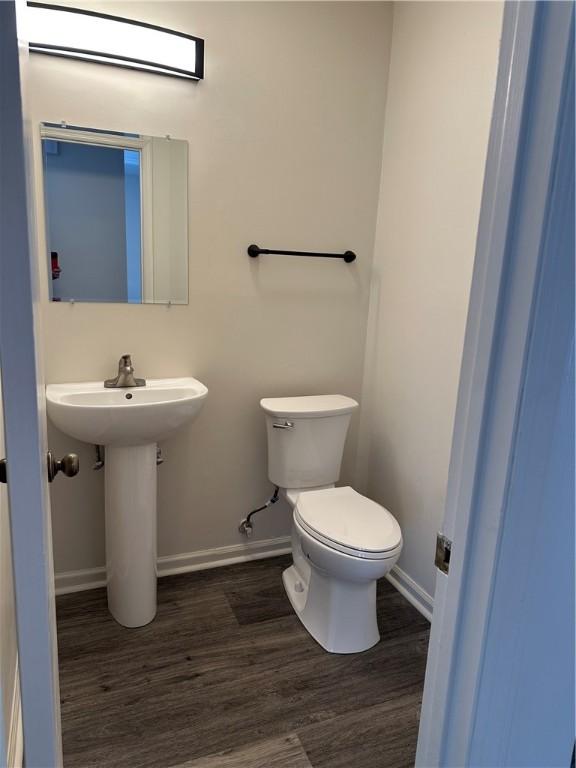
x=285 y=425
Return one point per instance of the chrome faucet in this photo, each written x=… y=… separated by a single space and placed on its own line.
x=125 y=376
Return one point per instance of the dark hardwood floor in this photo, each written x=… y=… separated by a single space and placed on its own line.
x=226 y=677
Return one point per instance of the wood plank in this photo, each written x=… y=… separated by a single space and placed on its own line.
x=284 y=752
x=196 y=682
x=374 y=737
x=262 y=598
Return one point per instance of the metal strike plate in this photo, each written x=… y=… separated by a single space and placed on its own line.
x=443 y=550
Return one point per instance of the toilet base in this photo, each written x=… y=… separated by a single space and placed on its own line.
x=340 y=615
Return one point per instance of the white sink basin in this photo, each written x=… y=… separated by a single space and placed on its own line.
x=132 y=416
x=129 y=422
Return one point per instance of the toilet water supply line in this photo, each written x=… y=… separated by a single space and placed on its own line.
x=245 y=527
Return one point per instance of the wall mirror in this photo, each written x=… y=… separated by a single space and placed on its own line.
x=116 y=216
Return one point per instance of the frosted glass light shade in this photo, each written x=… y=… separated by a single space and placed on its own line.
x=90 y=36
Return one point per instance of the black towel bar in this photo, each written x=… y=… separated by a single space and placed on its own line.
x=254 y=251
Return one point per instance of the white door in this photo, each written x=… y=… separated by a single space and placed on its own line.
x=499 y=687
x=25 y=428
x=10 y=721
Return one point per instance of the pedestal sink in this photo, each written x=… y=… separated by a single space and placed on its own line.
x=128 y=422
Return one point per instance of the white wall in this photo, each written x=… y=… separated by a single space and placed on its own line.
x=440 y=93
x=285 y=140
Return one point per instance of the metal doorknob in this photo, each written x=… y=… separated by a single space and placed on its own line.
x=69 y=465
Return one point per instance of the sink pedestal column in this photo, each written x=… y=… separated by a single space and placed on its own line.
x=131 y=532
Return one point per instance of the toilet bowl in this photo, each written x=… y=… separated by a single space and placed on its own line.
x=342 y=542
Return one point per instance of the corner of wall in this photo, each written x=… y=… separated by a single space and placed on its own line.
x=363 y=434
x=441 y=83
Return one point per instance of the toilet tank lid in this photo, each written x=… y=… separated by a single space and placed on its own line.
x=309 y=407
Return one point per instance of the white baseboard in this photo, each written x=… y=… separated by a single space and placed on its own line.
x=413 y=592
x=79 y=581
x=15 y=747
x=214 y=558
x=91 y=578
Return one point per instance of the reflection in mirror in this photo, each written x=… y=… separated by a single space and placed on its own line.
x=116 y=216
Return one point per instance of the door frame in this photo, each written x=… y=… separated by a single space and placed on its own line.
x=25 y=421
x=530 y=93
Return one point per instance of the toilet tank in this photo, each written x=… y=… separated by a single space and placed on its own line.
x=306 y=438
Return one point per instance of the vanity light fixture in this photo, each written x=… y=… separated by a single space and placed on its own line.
x=90 y=36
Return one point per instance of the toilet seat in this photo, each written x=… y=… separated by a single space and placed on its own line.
x=345 y=520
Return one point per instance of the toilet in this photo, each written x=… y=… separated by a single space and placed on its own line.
x=342 y=542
